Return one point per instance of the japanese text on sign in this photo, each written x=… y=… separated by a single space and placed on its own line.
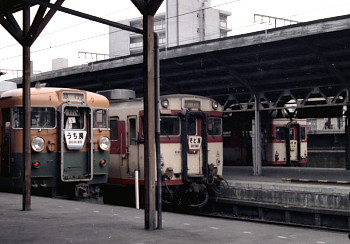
x=75 y=139
x=194 y=142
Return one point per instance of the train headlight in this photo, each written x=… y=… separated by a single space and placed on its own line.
x=215 y=105
x=165 y=103
x=104 y=143
x=38 y=144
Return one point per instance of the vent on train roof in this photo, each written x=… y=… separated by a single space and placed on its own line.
x=118 y=94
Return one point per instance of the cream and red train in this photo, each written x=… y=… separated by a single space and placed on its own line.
x=283 y=142
x=69 y=140
x=190 y=145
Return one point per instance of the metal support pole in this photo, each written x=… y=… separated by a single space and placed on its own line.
x=27 y=113
x=347 y=148
x=257 y=138
x=137 y=192
x=149 y=123
x=157 y=102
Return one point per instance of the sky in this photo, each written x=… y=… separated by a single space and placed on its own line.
x=65 y=36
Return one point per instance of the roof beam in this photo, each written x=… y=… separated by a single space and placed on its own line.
x=40 y=21
x=86 y=16
x=147 y=7
x=11 y=25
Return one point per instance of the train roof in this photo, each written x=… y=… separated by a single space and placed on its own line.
x=41 y=93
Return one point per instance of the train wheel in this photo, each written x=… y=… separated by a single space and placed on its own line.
x=197 y=199
x=219 y=187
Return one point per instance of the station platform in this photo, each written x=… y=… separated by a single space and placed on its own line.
x=65 y=221
x=300 y=187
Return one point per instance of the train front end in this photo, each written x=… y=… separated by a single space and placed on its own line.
x=69 y=141
x=191 y=148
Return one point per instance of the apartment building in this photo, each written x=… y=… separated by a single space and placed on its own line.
x=184 y=22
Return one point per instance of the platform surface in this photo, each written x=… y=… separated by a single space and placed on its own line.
x=63 y=221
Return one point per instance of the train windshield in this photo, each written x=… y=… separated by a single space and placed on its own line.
x=100 y=118
x=302 y=133
x=214 y=126
x=170 y=126
x=42 y=117
x=192 y=125
x=74 y=118
x=280 y=133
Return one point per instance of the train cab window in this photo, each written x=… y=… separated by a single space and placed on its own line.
x=192 y=126
x=214 y=126
x=280 y=133
x=100 y=118
x=169 y=126
x=42 y=117
x=302 y=133
x=74 y=118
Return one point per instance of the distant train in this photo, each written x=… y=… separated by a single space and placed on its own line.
x=283 y=142
x=69 y=139
x=190 y=144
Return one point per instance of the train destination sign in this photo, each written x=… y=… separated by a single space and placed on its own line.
x=194 y=142
x=75 y=139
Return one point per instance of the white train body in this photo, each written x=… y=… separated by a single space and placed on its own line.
x=191 y=143
x=285 y=142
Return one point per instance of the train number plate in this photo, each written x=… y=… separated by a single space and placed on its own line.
x=75 y=139
x=194 y=142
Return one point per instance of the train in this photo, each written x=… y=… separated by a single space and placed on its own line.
x=283 y=143
x=191 y=147
x=70 y=141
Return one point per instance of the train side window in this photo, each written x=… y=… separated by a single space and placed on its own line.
x=100 y=118
x=132 y=131
x=169 y=126
x=214 y=126
x=280 y=133
x=17 y=117
x=114 y=129
x=302 y=133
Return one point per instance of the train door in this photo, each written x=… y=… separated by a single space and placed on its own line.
x=293 y=142
x=77 y=143
x=6 y=143
x=133 y=148
x=194 y=145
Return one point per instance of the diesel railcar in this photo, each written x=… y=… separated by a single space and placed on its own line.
x=285 y=142
x=69 y=141
x=190 y=146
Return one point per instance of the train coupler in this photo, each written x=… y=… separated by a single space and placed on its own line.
x=84 y=190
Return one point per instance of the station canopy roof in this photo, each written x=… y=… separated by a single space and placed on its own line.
x=305 y=64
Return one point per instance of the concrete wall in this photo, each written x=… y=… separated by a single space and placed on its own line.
x=308 y=196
